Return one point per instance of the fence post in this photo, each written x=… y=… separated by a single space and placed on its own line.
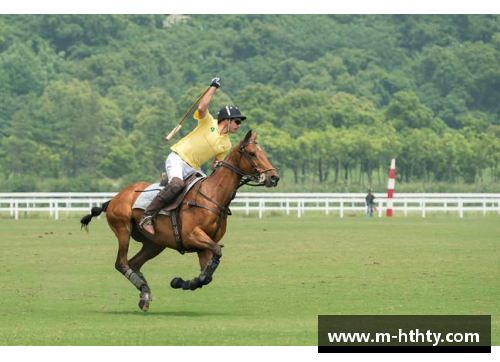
x=341 y=207
x=288 y=206
x=261 y=206
x=326 y=207
x=247 y=207
x=422 y=205
x=406 y=208
x=12 y=208
x=460 y=208
x=16 y=210
x=484 y=207
x=298 y=209
x=57 y=210
x=380 y=203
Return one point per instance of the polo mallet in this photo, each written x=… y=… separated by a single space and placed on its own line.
x=179 y=126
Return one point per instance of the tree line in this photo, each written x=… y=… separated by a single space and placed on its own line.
x=86 y=100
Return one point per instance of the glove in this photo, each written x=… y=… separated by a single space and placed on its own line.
x=215 y=82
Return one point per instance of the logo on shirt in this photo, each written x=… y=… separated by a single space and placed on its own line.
x=212 y=129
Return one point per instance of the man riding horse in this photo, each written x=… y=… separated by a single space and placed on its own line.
x=202 y=215
x=210 y=139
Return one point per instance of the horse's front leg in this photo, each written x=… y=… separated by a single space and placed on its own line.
x=208 y=264
x=209 y=257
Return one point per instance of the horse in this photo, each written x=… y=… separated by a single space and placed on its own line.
x=202 y=221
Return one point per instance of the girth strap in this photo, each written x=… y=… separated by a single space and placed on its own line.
x=175 y=226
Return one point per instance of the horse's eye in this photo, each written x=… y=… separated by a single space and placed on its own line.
x=251 y=154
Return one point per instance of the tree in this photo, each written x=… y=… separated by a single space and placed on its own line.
x=280 y=147
x=24 y=71
x=73 y=121
x=346 y=110
x=154 y=122
x=405 y=110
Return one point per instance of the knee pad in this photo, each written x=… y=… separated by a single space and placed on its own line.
x=176 y=185
x=171 y=191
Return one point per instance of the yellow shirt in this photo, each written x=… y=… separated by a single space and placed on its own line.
x=203 y=143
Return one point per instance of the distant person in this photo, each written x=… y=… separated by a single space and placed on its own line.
x=370 y=203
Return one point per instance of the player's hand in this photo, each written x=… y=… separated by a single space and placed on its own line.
x=215 y=82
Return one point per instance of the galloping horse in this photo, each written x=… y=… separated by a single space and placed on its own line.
x=203 y=220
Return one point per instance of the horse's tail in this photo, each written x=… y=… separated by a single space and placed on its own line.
x=96 y=211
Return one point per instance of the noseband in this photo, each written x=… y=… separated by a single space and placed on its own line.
x=258 y=177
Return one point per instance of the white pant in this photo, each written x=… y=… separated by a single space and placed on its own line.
x=176 y=167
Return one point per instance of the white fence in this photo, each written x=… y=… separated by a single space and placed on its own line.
x=17 y=204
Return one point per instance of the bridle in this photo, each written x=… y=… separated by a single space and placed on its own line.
x=258 y=177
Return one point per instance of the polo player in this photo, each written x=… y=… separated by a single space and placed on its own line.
x=210 y=139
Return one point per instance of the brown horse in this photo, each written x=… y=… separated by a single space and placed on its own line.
x=203 y=218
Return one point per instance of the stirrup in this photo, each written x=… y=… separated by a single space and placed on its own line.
x=144 y=219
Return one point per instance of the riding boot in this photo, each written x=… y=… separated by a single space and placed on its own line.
x=147 y=218
x=165 y=196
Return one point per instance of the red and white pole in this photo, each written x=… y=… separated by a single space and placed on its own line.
x=390 y=187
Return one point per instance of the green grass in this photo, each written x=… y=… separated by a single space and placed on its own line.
x=59 y=287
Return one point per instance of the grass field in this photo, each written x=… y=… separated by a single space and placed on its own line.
x=59 y=286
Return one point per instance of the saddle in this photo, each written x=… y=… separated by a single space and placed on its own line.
x=188 y=184
x=170 y=209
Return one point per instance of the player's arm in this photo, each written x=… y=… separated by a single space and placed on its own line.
x=205 y=101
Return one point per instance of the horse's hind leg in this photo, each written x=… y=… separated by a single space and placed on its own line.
x=209 y=258
x=148 y=251
x=122 y=232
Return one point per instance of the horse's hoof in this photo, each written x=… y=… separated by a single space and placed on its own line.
x=144 y=305
x=176 y=283
x=144 y=301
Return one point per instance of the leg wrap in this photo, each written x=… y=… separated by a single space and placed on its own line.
x=140 y=275
x=135 y=279
x=192 y=284
x=186 y=285
x=203 y=279
x=208 y=271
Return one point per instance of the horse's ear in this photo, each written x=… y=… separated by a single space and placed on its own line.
x=254 y=136
x=247 y=137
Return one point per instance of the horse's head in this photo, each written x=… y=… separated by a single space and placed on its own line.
x=253 y=161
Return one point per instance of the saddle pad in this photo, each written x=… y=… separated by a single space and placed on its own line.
x=152 y=190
